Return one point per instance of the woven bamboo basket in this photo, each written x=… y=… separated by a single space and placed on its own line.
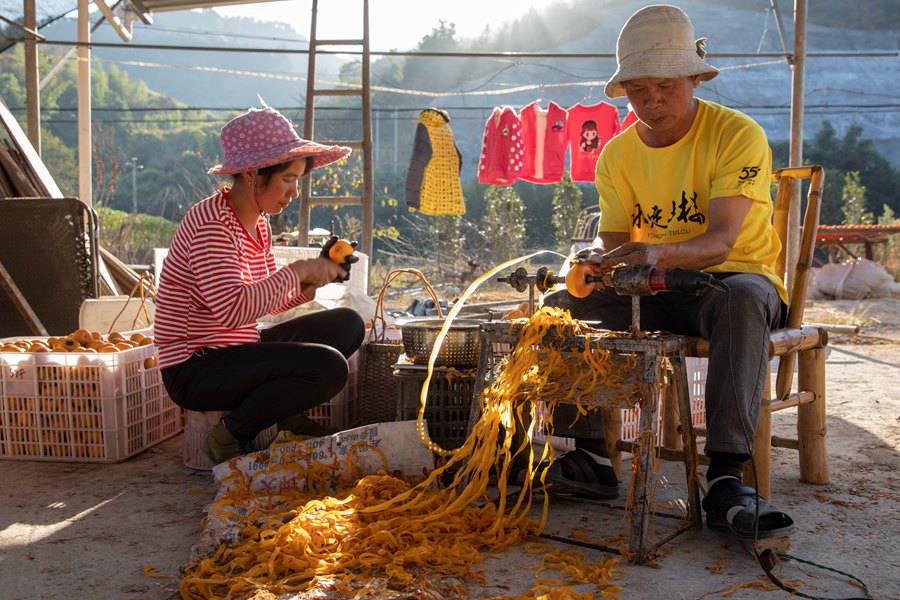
x=376 y=398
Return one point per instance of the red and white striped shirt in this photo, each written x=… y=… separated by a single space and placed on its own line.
x=216 y=281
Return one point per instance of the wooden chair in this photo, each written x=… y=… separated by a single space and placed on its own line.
x=663 y=352
x=792 y=344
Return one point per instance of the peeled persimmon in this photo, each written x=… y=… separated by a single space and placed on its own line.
x=576 y=281
x=339 y=251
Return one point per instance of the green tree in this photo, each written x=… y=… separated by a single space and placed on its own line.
x=132 y=237
x=504 y=222
x=853 y=201
x=567 y=198
x=841 y=155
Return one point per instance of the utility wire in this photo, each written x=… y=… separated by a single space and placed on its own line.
x=413 y=118
x=151 y=28
x=385 y=109
x=446 y=54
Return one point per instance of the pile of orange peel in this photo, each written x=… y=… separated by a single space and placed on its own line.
x=381 y=533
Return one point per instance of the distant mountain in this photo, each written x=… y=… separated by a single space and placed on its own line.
x=845 y=91
x=220 y=79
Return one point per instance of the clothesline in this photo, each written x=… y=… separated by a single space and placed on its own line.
x=408 y=91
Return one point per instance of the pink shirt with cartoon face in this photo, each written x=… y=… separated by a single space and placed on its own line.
x=590 y=127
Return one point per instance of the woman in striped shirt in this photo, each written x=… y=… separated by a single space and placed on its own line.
x=220 y=277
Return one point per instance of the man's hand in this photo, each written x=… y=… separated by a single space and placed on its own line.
x=590 y=254
x=629 y=253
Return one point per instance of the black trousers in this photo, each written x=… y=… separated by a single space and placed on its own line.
x=737 y=325
x=297 y=365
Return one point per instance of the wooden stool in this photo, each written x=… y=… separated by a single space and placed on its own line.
x=197 y=426
x=652 y=356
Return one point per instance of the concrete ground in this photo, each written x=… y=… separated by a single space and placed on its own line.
x=71 y=530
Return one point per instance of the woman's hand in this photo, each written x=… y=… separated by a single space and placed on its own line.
x=316 y=272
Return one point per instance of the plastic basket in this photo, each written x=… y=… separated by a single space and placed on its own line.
x=336 y=412
x=450 y=395
x=696 y=376
x=197 y=426
x=83 y=407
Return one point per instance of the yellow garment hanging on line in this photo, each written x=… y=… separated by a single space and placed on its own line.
x=432 y=185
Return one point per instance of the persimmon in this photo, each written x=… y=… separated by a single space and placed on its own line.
x=82 y=336
x=339 y=251
x=576 y=280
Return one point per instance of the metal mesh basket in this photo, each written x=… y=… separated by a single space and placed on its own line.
x=459 y=349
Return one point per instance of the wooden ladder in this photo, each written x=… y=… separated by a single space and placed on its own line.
x=307 y=199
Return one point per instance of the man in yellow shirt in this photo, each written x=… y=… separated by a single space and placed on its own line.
x=687 y=185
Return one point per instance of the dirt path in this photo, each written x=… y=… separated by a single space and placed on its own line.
x=87 y=531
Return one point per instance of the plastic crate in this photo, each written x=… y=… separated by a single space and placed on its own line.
x=359 y=273
x=696 y=375
x=336 y=412
x=83 y=407
x=450 y=395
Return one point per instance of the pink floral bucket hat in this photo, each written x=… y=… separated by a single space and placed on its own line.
x=264 y=137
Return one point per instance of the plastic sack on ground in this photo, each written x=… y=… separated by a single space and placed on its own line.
x=271 y=472
x=812 y=289
x=854 y=280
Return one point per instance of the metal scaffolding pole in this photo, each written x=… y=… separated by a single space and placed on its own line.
x=32 y=77
x=85 y=185
x=796 y=149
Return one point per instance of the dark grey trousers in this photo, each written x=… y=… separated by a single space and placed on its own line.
x=738 y=349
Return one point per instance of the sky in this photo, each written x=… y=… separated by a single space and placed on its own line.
x=394 y=24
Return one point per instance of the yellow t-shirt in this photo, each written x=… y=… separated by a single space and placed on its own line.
x=661 y=195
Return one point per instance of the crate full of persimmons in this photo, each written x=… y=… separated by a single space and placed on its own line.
x=84 y=397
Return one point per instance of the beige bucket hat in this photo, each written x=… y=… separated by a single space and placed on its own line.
x=658 y=41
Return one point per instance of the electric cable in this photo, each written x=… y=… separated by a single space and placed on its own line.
x=766 y=558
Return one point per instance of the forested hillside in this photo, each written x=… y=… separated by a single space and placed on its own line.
x=147 y=124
